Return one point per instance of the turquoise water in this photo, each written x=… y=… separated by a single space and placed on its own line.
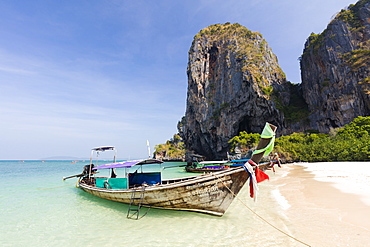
x=38 y=208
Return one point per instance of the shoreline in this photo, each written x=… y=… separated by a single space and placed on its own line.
x=318 y=211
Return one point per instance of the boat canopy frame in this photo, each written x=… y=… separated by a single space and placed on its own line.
x=103 y=149
x=130 y=179
x=128 y=164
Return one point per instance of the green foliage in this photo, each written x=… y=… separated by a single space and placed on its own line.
x=244 y=141
x=297 y=109
x=358 y=58
x=172 y=149
x=225 y=31
x=267 y=90
x=358 y=128
x=236 y=38
x=217 y=112
x=181 y=124
x=351 y=15
x=351 y=143
x=249 y=48
x=365 y=81
x=315 y=41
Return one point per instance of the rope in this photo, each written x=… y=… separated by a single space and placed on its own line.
x=55 y=187
x=259 y=216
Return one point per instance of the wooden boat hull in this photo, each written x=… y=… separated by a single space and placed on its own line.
x=210 y=193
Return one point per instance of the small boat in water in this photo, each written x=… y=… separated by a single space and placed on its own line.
x=208 y=166
x=214 y=166
x=267 y=165
x=210 y=193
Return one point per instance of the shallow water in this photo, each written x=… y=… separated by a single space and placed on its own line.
x=39 y=209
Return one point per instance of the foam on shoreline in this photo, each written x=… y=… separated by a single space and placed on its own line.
x=325 y=204
x=281 y=200
x=348 y=177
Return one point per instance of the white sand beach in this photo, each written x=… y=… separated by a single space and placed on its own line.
x=349 y=177
x=327 y=204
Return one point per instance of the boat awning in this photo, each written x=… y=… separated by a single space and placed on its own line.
x=128 y=164
x=104 y=148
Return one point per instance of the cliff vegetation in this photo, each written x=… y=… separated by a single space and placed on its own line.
x=348 y=143
x=173 y=149
x=335 y=69
x=296 y=109
x=235 y=86
x=244 y=142
x=250 y=49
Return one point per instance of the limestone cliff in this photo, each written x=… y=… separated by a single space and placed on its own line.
x=234 y=84
x=335 y=69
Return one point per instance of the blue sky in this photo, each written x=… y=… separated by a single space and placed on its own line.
x=80 y=74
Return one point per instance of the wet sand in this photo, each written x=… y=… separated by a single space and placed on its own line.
x=320 y=214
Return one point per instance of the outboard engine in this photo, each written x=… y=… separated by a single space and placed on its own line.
x=86 y=172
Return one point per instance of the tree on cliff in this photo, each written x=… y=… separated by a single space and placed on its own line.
x=235 y=84
x=348 y=143
x=244 y=141
x=173 y=149
x=233 y=81
x=335 y=69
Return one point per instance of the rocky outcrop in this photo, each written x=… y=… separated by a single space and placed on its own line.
x=235 y=83
x=232 y=74
x=335 y=68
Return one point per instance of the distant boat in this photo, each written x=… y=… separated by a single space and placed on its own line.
x=215 y=166
x=210 y=193
x=208 y=166
x=263 y=165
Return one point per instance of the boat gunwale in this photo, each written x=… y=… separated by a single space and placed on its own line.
x=192 y=180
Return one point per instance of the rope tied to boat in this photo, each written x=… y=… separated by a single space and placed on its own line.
x=55 y=187
x=259 y=216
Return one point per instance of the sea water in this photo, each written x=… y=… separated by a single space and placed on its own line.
x=38 y=208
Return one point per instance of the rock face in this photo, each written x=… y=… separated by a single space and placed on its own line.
x=335 y=69
x=231 y=76
x=235 y=83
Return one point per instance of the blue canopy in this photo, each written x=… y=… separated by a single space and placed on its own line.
x=128 y=164
x=239 y=161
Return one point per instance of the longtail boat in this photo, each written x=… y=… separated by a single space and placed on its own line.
x=267 y=165
x=215 y=166
x=210 y=193
x=208 y=166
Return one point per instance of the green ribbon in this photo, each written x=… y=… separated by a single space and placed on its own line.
x=267 y=133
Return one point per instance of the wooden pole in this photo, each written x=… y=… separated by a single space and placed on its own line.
x=78 y=175
x=256 y=158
